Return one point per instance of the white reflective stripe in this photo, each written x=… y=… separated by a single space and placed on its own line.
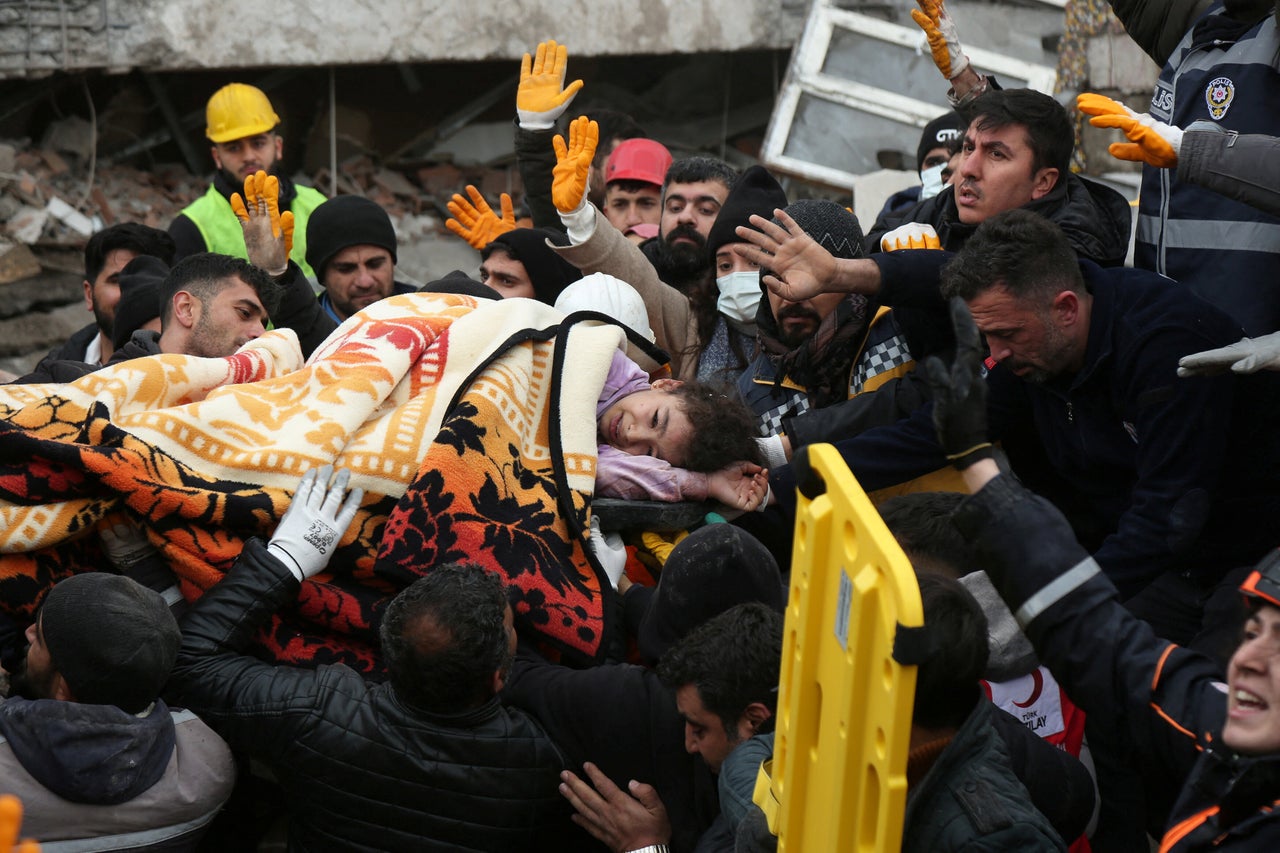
x=1211 y=234
x=1053 y=592
x=128 y=840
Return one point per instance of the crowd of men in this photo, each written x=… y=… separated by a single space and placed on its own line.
x=1075 y=455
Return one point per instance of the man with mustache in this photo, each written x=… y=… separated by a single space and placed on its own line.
x=694 y=191
x=241 y=124
x=1016 y=153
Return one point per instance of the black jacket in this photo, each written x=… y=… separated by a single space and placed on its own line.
x=1159 y=473
x=1169 y=703
x=1095 y=218
x=623 y=720
x=361 y=770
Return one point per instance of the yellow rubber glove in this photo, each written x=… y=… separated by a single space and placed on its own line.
x=475 y=221
x=1150 y=141
x=10 y=823
x=569 y=178
x=268 y=233
x=944 y=41
x=913 y=235
x=542 y=97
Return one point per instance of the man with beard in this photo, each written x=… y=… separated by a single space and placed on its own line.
x=241 y=126
x=1170 y=482
x=691 y=205
x=694 y=191
x=826 y=348
x=107 y=253
x=211 y=305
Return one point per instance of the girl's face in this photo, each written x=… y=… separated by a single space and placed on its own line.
x=648 y=423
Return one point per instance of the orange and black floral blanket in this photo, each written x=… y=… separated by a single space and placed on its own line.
x=470 y=425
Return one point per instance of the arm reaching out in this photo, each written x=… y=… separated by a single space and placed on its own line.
x=1150 y=141
x=619 y=819
x=798 y=268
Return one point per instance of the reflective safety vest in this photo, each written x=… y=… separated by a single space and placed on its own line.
x=220 y=228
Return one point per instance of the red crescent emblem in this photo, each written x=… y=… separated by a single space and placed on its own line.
x=1038 y=686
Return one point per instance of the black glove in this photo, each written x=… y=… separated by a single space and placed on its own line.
x=960 y=395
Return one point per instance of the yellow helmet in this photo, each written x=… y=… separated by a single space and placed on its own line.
x=238 y=110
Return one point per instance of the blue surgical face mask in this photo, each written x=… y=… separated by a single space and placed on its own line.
x=931 y=181
x=739 y=295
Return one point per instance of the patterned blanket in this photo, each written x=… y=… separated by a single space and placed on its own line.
x=471 y=434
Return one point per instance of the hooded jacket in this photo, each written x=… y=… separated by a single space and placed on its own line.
x=91 y=771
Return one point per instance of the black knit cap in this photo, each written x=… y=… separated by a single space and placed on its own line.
x=939 y=133
x=459 y=282
x=548 y=272
x=712 y=569
x=111 y=638
x=755 y=192
x=348 y=220
x=140 y=282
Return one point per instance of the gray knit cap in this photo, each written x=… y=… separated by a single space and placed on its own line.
x=834 y=228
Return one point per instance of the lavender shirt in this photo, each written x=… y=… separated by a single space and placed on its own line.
x=623 y=475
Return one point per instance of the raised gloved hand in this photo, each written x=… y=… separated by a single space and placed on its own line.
x=912 y=235
x=573 y=162
x=960 y=394
x=268 y=233
x=542 y=97
x=475 y=221
x=609 y=550
x=1248 y=355
x=315 y=521
x=944 y=42
x=1150 y=141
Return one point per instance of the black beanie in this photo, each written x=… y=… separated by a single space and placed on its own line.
x=939 y=133
x=348 y=220
x=113 y=640
x=710 y=570
x=548 y=272
x=140 y=287
x=462 y=284
x=755 y=192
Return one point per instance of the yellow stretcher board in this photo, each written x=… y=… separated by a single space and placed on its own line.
x=838 y=778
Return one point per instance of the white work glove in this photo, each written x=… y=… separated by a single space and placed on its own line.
x=940 y=33
x=315 y=521
x=609 y=550
x=125 y=545
x=1248 y=355
x=913 y=235
x=772 y=451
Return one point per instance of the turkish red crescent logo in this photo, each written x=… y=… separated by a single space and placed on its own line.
x=1038 y=685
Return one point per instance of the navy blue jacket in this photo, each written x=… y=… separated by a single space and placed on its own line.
x=1158 y=473
x=1226 y=73
x=1169 y=703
